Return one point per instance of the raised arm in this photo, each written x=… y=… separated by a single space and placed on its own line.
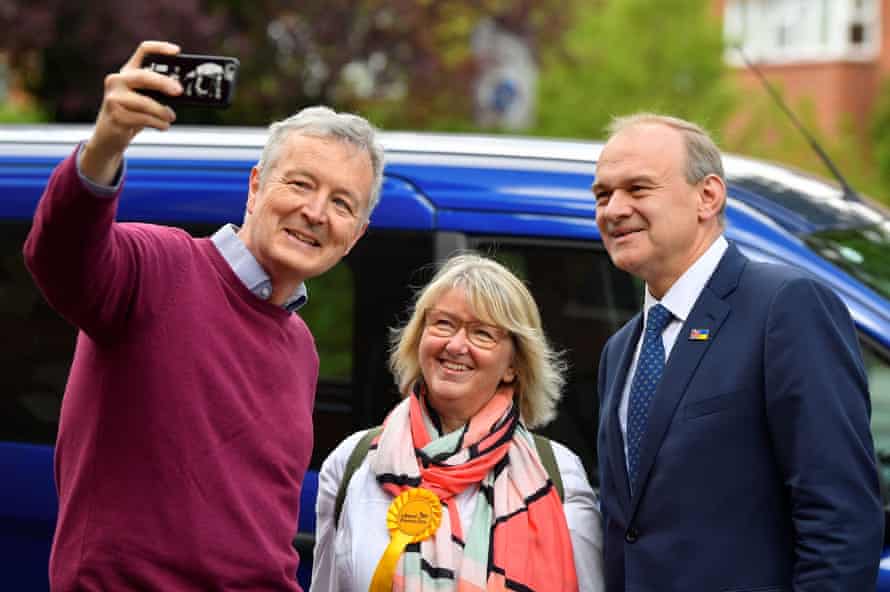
x=125 y=112
x=84 y=267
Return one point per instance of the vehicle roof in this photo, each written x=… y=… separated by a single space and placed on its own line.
x=191 y=142
x=799 y=201
x=187 y=141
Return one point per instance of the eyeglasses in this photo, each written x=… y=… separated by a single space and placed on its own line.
x=482 y=335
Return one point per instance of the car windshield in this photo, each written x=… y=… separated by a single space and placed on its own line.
x=863 y=252
x=817 y=201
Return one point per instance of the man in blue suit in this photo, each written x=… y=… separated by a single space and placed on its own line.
x=734 y=444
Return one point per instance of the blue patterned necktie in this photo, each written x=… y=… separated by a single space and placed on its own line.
x=645 y=381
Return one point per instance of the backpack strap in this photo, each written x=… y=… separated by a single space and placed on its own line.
x=356 y=458
x=548 y=459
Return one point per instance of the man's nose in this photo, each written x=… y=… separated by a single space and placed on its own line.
x=315 y=207
x=617 y=207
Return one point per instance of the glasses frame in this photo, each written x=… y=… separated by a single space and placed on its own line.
x=472 y=329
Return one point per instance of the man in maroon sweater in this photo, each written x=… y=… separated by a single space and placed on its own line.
x=186 y=422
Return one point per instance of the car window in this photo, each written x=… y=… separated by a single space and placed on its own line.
x=878 y=367
x=863 y=252
x=329 y=314
x=350 y=311
x=36 y=351
x=820 y=203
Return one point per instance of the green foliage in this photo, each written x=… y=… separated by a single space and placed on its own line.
x=635 y=55
x=10 y=113
x=762 y=130
x=880 y=135
x=410 y=62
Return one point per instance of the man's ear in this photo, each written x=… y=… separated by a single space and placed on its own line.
x=712 y=197
x=253 y=189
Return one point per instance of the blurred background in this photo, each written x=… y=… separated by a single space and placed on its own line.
x=531 y=67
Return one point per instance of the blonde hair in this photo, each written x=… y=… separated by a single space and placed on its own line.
x=498 y=297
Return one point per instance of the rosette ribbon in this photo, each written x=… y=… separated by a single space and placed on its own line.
x=412 y=517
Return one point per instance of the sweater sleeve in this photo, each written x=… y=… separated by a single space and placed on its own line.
x=85 y=264
x=583 y=519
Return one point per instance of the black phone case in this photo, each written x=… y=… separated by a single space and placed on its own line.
x=207 y=81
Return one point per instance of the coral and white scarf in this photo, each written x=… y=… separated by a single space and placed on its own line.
x=518 y=538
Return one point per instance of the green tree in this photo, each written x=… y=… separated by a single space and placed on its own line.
x=763 y=130
x=880 y=135
x=12 y=113
x=635 y=55
x=405 y=63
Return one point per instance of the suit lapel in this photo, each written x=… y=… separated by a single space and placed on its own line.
x=617 y=459
x=709 y=312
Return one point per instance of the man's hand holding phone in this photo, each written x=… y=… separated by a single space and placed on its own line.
x=126 y=111
x=207 y=81
x=155 y=78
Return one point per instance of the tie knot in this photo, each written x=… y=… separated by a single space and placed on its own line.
x=658 y=318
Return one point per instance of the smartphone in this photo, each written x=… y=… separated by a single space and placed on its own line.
x=207 y=81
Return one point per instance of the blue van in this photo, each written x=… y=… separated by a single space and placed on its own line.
x=526 y=202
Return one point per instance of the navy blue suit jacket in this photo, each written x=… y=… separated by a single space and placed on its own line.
x=757 y=469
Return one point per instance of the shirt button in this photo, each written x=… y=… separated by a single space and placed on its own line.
x=631 y=535
x=265 y=291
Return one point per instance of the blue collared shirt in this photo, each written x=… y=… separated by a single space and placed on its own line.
x=249 y=270
x=229 y=244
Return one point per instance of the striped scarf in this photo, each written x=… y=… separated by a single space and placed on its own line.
x=518 y=538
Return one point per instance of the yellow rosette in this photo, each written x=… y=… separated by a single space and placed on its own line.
x=412 y=517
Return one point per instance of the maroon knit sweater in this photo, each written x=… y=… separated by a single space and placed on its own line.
x=186 y=424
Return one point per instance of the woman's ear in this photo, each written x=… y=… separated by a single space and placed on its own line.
x=509 y=375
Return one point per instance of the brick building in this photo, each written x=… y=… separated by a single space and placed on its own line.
x=833 y=52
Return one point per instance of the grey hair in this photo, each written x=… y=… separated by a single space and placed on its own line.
x=702 y=154
x=324 y=122
x=498 y=297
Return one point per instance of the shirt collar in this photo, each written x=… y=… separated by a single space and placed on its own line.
x=681 y=297
x=249 y=270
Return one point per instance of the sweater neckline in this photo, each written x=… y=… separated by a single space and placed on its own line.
x=223 y=267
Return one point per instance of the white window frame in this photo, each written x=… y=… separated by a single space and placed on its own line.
x=792 y=31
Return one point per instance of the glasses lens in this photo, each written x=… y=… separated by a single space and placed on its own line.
x=441 y=325
x=479 y=334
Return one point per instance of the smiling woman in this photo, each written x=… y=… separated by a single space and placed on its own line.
x=464 y=360
x=475 y=369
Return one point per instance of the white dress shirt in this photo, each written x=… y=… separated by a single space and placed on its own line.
x=679 y=299
x=345 y=558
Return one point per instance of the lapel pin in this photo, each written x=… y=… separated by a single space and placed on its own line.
x=699 y=334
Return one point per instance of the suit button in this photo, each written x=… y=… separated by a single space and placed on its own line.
x=631 y=535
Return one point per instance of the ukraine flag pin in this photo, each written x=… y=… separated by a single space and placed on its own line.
x=699 y=334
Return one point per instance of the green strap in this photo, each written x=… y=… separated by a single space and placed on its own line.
x=545 y=453
x=357 y=457
x=355 y=460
